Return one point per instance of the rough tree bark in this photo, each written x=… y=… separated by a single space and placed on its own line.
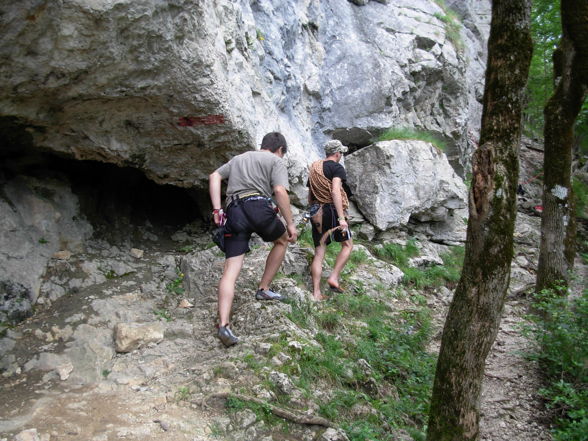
x=474 y=315
x=558 y=227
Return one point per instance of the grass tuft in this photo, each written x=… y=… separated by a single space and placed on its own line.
x=382 y=368
x=411 y=134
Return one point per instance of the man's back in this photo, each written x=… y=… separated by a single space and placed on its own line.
x=255 y=171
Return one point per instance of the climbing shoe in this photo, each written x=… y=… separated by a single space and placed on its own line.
x=268 y=294
x=226 y=336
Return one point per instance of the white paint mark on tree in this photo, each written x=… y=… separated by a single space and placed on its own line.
x=559 y=192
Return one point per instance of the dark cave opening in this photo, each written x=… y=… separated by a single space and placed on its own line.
x=111 y=198
x=111 y=195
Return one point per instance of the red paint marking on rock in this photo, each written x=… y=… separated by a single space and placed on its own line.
x=190 y=121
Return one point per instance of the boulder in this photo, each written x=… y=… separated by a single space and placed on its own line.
x=395 y=181
x=131 y=336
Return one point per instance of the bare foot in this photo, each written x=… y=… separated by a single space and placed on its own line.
x=334 y=286
x=319 y=297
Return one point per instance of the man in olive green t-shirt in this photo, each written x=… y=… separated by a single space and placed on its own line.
x=252 y=179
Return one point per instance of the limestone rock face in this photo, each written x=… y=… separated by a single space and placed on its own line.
x=37 y=219
x=394 y=180
x=175 y=88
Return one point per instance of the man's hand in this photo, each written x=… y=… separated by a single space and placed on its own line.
x=283 y=201
x=292 y=233
x=218 y=217
x=343 y=225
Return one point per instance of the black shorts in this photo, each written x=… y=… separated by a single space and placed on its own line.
x=254 y=215
x=330 y=221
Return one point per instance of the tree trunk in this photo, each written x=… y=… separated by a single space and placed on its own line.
x=558 y=227
x=474 y=315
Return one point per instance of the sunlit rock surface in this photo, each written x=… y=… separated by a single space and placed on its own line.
x=175 y=88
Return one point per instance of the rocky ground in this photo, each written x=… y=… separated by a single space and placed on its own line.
x=123 y=347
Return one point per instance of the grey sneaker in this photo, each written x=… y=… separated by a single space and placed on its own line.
x=268 y=294
x=226 y=336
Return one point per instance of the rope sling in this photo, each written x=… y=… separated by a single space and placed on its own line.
x=320 y=186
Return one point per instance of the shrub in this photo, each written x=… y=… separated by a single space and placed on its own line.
x=581 y=194
x=560 y=326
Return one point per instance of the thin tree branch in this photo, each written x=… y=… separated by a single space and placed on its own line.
x=289 y=415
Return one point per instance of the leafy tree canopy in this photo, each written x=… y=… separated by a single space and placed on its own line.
x=546 y=29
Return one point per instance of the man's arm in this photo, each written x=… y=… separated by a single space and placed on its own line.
x=214 y=189
x=283 y=201
x=338 y=201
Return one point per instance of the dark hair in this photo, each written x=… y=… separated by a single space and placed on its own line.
x=273 y=141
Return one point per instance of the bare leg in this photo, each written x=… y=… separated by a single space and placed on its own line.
x=340 y=261
x=273 y=261
x=226 y=287
x=316 y=269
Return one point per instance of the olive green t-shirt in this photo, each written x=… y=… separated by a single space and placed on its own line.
x=255 y=171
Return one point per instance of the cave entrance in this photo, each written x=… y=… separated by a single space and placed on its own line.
x=117 y=201
x=123 y=197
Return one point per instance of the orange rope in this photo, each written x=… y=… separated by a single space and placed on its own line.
x=320 y=185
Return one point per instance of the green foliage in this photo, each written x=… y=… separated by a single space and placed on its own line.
x=176 y=286
x=187 y=248
x=330 y=319
x=359 y=306
x=358 y=257
x=392 y=343
x=546 y=30
x=420 y=278
x=216 y=430
x=163 y=314
x=252 y=362
x=362 y=431
x=398 y=254
x=406 y=133
x=262 y=411
x=560 y=326
x=358 y=287
x=452 y=25
x=332 y=251
x=305 y=237
x=235 y=404
x=581 y=131
x=183 y=393
x=43 y=241
x=581 y=194
x=301 y=314
x=110 y=274
x=343 y=399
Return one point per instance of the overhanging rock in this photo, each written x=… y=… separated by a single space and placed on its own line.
x=176 y=88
